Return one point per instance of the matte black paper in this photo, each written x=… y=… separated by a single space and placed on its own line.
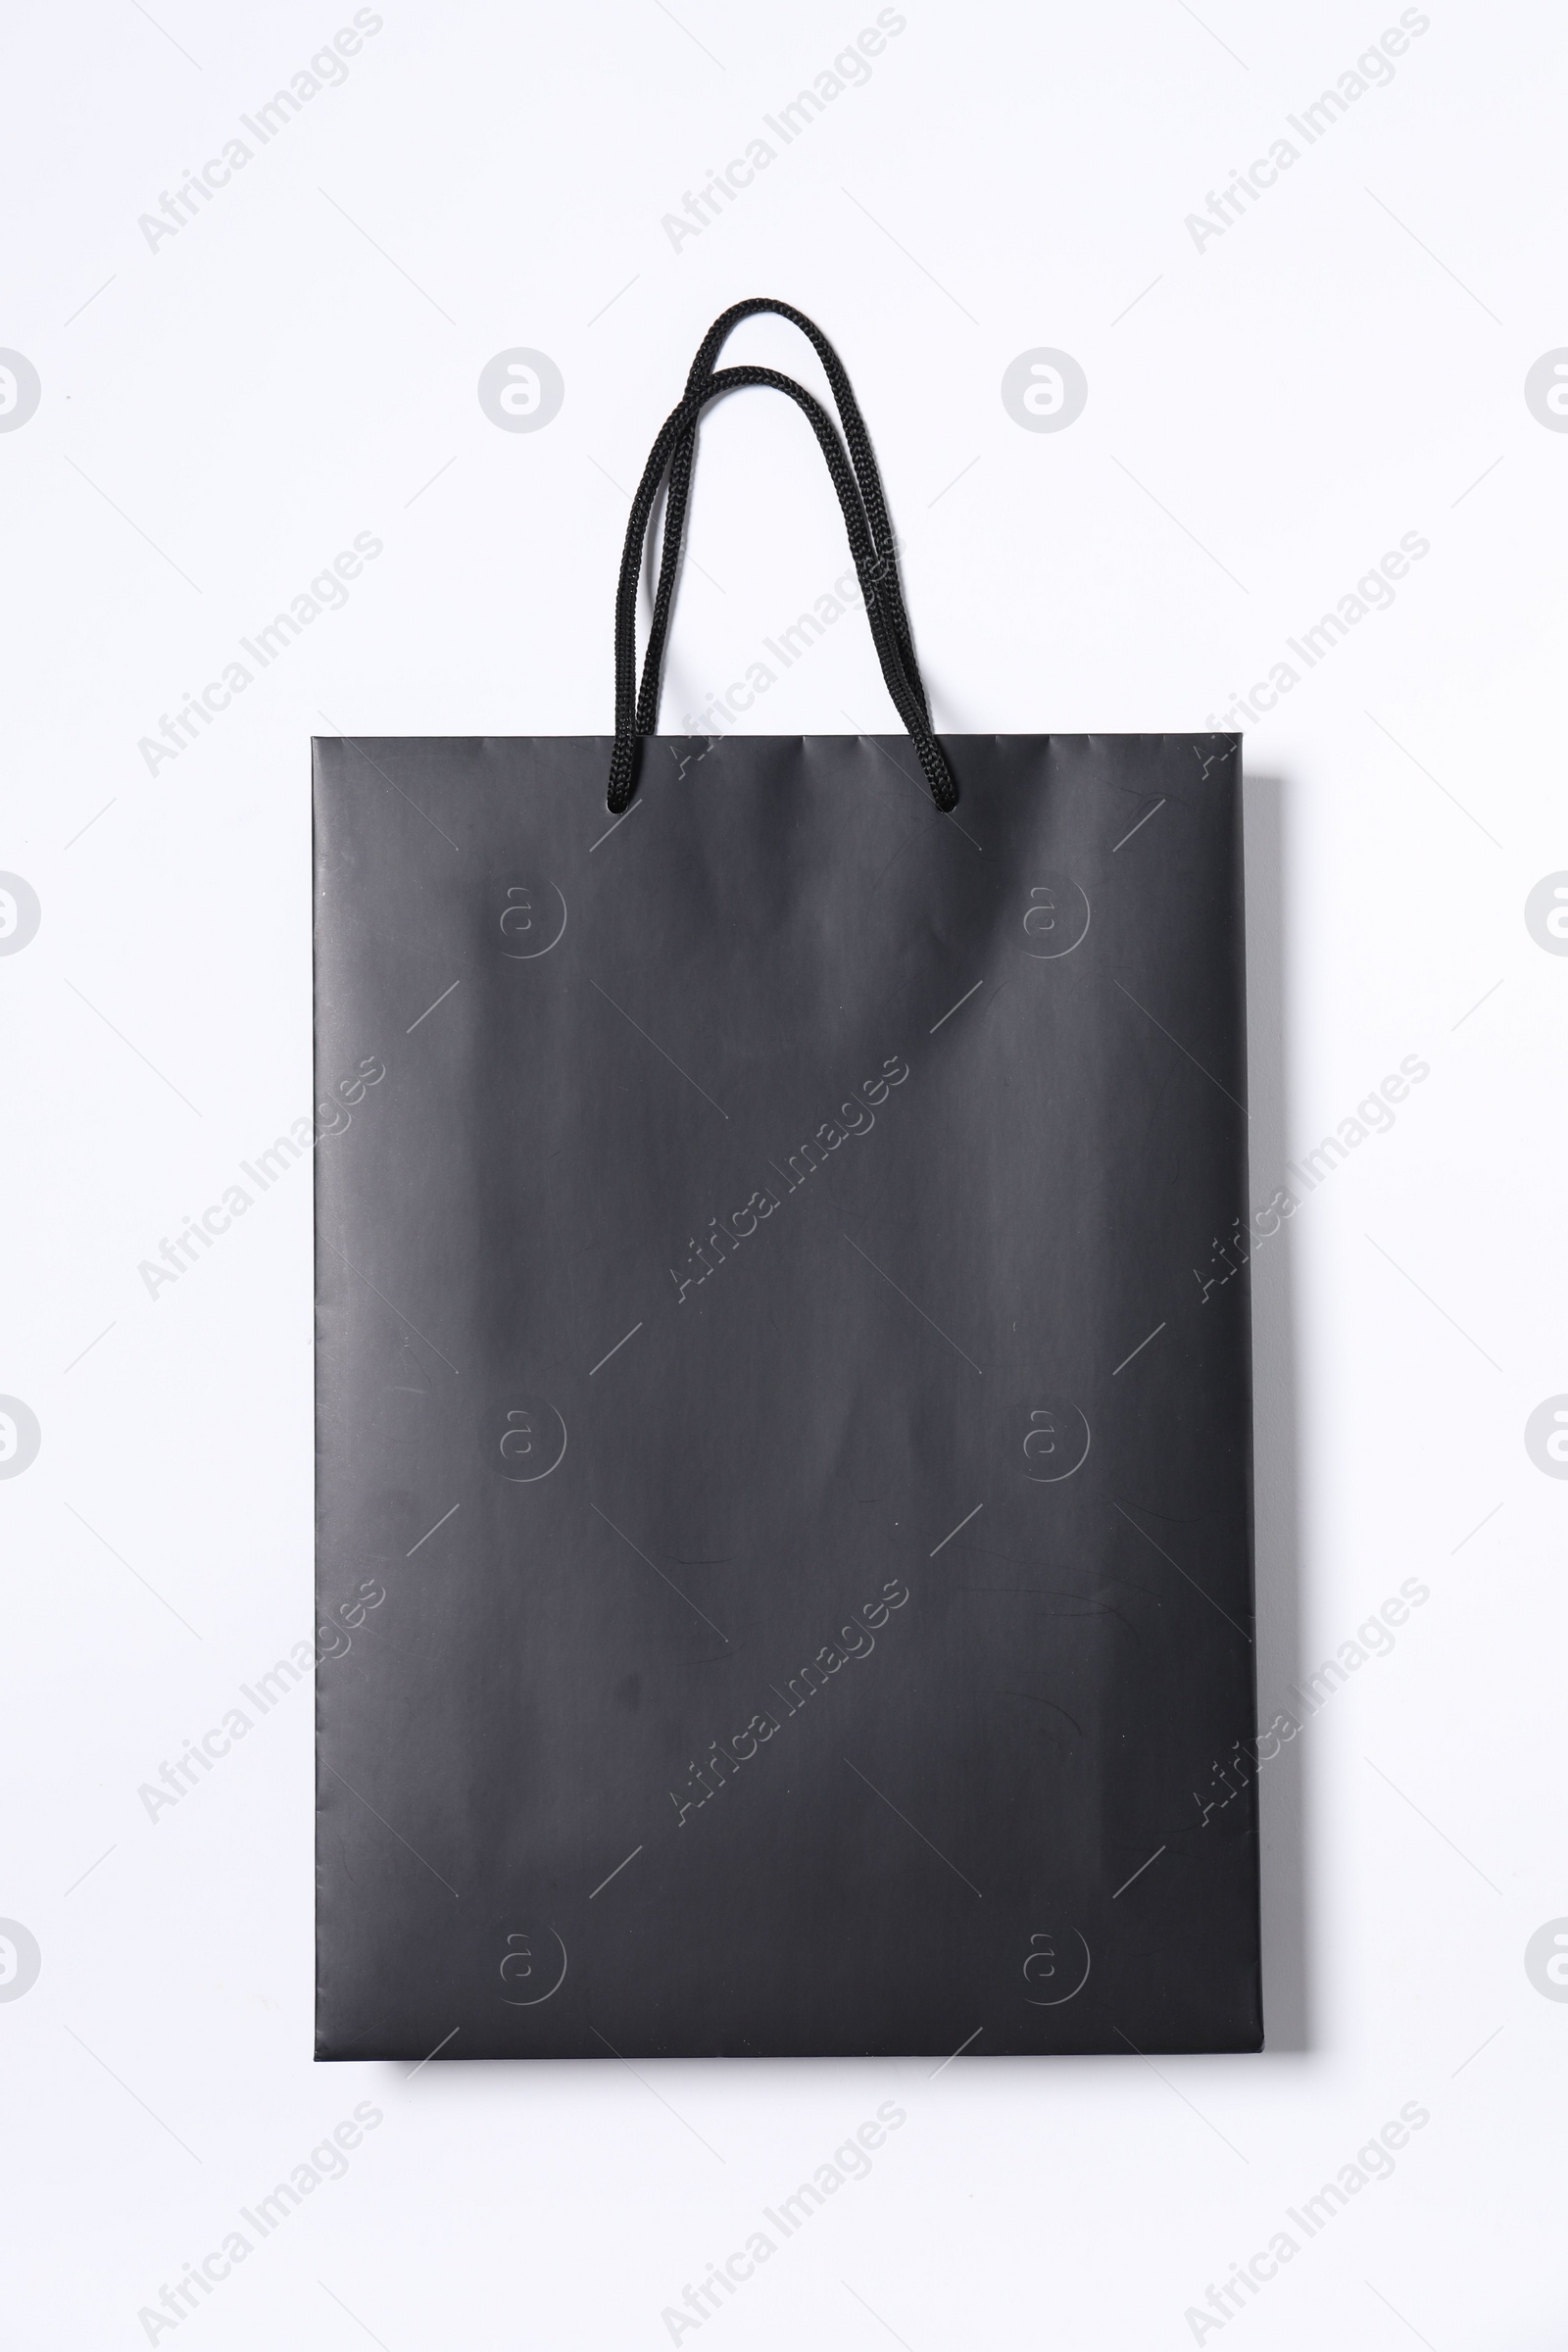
x=779 y=1363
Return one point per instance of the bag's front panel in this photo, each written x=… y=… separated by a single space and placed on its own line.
x=761 y=1361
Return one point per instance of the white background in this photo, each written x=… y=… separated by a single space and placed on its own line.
x=1343 y=366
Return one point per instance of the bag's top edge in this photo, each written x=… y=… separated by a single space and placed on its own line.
x=845 y=735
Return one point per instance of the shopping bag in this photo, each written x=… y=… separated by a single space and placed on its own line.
x=784 y=1556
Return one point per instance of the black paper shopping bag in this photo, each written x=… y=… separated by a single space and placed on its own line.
x=783 y=1500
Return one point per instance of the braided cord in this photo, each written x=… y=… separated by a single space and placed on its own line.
x=868 y=481
x=869 y=564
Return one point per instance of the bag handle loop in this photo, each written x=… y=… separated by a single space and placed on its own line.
x=868 y=481
x=873 y=564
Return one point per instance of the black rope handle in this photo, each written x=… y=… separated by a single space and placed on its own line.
x=873 y=568
x=867 y=480
x=870 y=567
